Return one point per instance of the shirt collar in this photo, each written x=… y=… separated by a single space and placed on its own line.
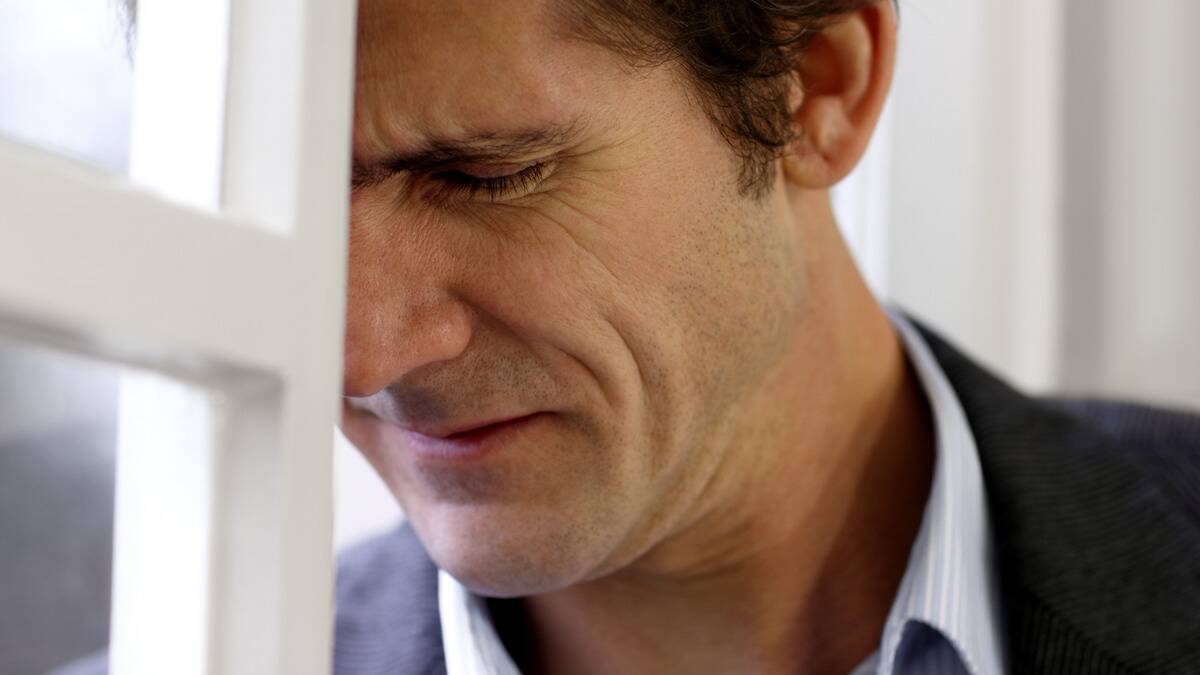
x=950 y=583
x=470 y=641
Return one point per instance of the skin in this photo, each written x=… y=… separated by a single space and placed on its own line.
x=728 y=441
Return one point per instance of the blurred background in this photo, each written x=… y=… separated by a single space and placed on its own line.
x=1033 y=192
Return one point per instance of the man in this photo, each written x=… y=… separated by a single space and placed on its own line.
x=607 y=348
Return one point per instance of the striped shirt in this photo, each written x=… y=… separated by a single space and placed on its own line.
x=945 y=618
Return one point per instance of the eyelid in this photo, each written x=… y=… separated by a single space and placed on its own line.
x=451 y=185
x=486 y=170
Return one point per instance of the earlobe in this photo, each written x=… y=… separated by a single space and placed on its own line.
x=841 y=83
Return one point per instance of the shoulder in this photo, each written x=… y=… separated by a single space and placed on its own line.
x=384 y=563
x=387 y=618
x=1163 y=443
x=1172 y=433
x=1094 y=436
x=96 y=664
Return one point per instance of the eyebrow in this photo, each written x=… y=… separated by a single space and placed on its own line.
x=441 y=152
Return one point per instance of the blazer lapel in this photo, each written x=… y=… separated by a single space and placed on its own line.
x=1099 y=560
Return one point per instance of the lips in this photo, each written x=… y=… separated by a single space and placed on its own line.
x=466 y=430
x=470 y=441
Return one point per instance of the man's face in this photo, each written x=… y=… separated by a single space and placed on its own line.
x=566 y=248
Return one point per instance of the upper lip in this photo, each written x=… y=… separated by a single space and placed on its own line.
x=448 y=430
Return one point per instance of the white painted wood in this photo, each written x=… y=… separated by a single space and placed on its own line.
x=287 y=169
x=224 y=521
x=179 y=99
x=165 y=496
x=146 y=279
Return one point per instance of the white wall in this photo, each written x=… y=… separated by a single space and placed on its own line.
x=364 y=504
x=1132 y=265
x=1044 y=202
x=973 y=243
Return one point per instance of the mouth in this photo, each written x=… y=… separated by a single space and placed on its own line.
x=471 y=441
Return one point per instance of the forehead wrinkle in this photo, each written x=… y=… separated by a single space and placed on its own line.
x=453 y=127
x=455 y=68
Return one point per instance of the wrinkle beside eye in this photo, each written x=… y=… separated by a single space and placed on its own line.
x=568 y=230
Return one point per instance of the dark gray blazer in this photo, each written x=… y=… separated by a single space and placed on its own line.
x=1096 y=510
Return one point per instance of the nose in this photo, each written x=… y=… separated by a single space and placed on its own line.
x=398 y=319
x=385 y=342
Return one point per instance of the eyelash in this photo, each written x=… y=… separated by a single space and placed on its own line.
x=458 y=185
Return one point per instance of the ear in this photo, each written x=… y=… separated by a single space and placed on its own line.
x=840 y=85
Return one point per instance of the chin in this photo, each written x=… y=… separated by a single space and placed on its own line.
x=506 y=551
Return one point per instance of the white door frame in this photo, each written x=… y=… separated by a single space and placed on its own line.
x=223 y=548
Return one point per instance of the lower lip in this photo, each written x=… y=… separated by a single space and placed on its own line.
x=472 y=444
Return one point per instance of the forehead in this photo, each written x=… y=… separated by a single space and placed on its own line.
x=457 y=67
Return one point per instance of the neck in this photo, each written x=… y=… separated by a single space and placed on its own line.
x=791 y=564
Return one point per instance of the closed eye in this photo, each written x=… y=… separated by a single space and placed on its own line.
x=461 y=184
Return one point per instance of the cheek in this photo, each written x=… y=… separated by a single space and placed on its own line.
x=708 y=317
x=677 y=303
x=548 y=275
x=579 y=282
x=706 y=284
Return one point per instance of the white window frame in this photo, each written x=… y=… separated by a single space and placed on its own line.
x=224 y=507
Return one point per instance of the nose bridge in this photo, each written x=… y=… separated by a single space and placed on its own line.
x=400 y=315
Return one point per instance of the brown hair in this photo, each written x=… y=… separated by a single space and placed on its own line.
x=739 y=55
